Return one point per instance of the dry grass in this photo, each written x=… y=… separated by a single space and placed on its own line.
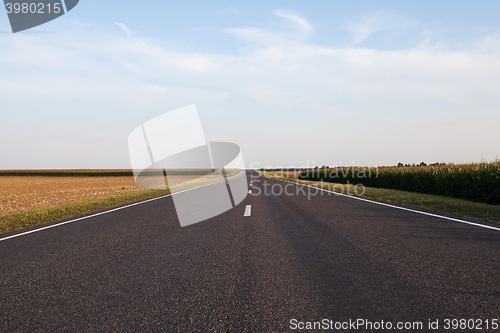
x=26 y=201
x=22 y=194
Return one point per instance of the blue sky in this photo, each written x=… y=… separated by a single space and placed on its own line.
x=293 y=83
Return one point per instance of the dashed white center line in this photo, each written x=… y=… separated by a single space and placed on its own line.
x=250 y=191
x=248 y=210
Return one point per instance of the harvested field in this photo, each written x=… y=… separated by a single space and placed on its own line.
x=26 y=200
x=22 y=194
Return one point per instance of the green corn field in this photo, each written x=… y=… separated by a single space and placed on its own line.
x=478 y=182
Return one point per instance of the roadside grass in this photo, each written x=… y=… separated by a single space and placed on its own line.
x=18 y=221
x=431 y=203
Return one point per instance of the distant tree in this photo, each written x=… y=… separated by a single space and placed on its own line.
x=400 y=165
x=423 y=164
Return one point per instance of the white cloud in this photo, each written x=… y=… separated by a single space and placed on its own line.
x=146 y=58
x=281 y=75
x=124 y=28
x=367 y=24
x=256 y=36
x=300 y=22
x=300 y=30
x=292 y=68
x=156 y=89
x=289 y=67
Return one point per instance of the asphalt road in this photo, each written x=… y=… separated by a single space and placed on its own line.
x=294 y=257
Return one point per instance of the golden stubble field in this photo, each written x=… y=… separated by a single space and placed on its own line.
x=21 y=194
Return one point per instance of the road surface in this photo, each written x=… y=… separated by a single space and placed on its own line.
x=271 y=264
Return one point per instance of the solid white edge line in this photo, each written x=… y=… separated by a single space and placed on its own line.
x=248 y=210
x=108 y=211
x=392 y=206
